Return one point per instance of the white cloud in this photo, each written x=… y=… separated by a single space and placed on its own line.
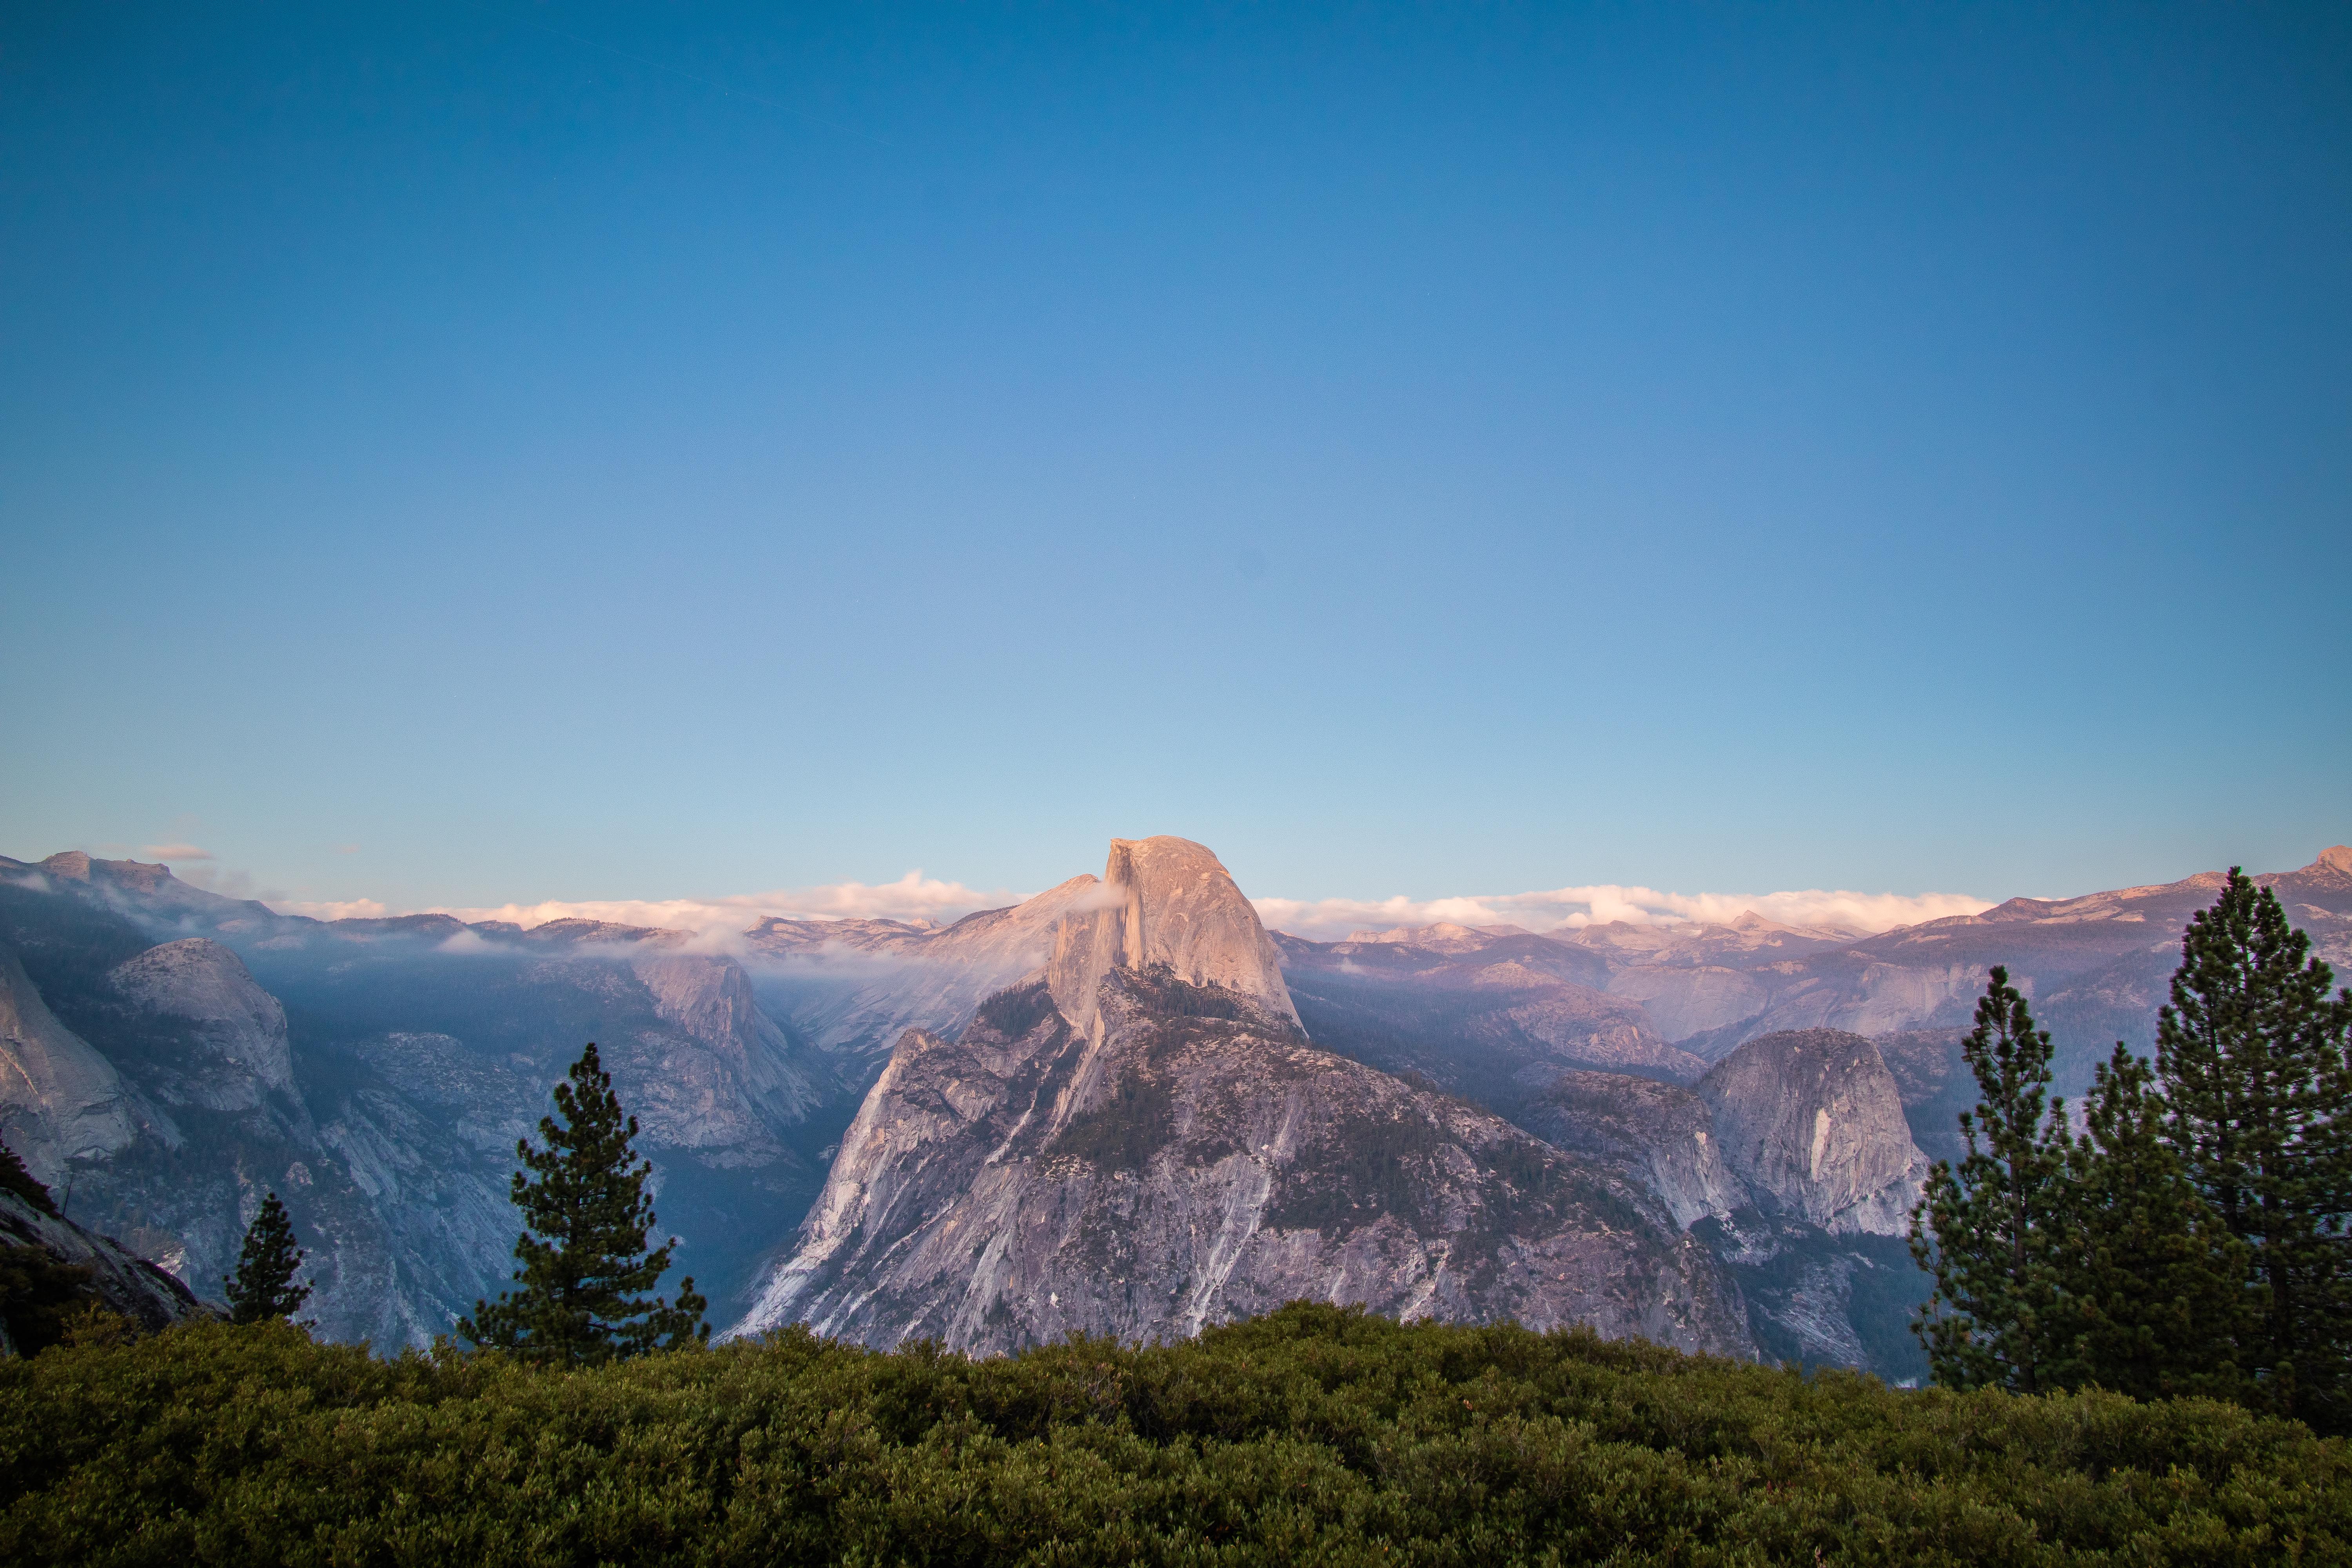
x=174 y=852
x=913 y=897
x=1327 y=919
x=334 y=910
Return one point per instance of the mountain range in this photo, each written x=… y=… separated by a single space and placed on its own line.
x=1120 y=1106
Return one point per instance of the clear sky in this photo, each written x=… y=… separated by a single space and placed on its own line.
x=552 y=451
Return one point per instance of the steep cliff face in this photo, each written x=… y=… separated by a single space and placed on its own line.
x=1165 y=903
x=1811 y=1119
x=1168 y=1150
x=732 y=1076
x=1661 y=1134
x=388 y=1123
x=60 y=1101
x=1197 y=1162
x=237 y=1029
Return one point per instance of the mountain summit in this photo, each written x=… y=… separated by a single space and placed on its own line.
x=1164 y=903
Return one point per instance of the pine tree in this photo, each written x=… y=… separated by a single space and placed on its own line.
x=584 y=1265
x=263 y=1286
x=1993 y=1231
x=2251 y=1052
x=15 y=1178
x=2156 y=1280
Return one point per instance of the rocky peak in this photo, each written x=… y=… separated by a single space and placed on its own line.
x=2333 y=865
x=1167 y=902
x=1192 y=1159
x=1812 y=1119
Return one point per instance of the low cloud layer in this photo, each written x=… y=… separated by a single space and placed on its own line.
x=915 y=897
x=175 y=852
x=1566 y=907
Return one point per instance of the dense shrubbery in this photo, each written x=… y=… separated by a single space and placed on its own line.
x=1311 y=1435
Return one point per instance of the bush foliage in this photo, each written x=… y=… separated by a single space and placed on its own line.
x=1312 y=1435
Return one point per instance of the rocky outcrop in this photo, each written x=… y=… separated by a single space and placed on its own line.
x=708 y=999
x=1811 y=1120
x=1192 y=1161
x=1168 y=904
x=60 y=1101
x=1141 y=1141
x=239 y=1027
x=119 y=1281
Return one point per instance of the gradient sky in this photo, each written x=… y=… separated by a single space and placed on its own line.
x=545 y=451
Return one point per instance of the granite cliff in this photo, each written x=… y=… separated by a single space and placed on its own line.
x=1141 y=1140
x=167 y=1056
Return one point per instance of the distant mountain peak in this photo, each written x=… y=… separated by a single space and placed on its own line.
x=1164 y=901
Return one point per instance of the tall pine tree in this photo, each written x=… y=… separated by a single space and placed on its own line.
x=2155 y=1280
x=2251 y=1052
x=263 y=1288
x=584 y=1265
x=1993 y=1230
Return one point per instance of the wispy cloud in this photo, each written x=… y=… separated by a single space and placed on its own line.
x=173 y=852
x=1562 y=908
x=334 y=910
x=913 y=897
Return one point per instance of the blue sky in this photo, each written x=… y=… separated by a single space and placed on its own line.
x=553 y=451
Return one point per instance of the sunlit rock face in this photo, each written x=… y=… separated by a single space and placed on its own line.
x=1811 y=1119
x=1142 y=1142
x=1165 y=903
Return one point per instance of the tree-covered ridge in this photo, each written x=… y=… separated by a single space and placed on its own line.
x=1313 y=1434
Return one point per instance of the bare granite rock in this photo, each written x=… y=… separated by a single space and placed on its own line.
x=60 y=1098
x=1812 y=1120
x=1168 y=1150
x=240 y=1026
x=1164 y=903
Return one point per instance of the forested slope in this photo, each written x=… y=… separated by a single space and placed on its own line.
x=1311 y=1435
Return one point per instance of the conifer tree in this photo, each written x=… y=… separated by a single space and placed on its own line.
x=1993 y=1230
x=2155 y=1279
x=2251 y=1052
x=264 y=1287
x=584 y=1265
x=15 y=1178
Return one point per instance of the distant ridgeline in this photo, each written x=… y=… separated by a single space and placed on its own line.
x=1122 y=1108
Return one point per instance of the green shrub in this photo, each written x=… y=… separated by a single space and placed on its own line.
x=1314 y=1435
